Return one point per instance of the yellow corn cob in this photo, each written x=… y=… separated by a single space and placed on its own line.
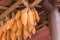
x=25 y=33
x=4 y=36
x=24 y=16
x=18 y=15
x=34 y=16
x=19 y=34
x=8 y=34
x=19 y=31
x=30 y=21
x=19 y=25
x=1 y=33
x=14 y=27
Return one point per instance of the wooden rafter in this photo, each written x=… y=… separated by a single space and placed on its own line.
x=11 y=9
x=35 y=3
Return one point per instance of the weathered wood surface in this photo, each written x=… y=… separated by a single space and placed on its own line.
x=42 y=34
x=5 y=2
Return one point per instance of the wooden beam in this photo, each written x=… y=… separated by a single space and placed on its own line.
x=11 y=9
x=35 y=3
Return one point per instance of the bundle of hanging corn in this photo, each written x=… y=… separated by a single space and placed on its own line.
x=20 y=27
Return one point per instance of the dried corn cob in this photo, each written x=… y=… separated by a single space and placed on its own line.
x=19 y=35
x=18 y=15
x=13 y=36
x=8 y=34
x=14 y=28
x=25 y=33
x=24 y=16
x=34 y=16
x=8 y=25
x=30 y=22
x=4 y=36
x=1 y=33
x=19 y=25
x=19 y=31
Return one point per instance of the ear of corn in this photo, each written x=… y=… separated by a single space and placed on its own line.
x=4 y=36
x=30 y=18
x=24 y=16
x=25 y=33
x=19 y=31
x=13 y=36
x=8 y=25
x=8 y=34
x=1 y=33
x=14 y=28
x=18 y=15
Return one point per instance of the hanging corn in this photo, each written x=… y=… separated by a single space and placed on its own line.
x=21 y=26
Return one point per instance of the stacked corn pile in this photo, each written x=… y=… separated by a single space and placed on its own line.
x=20 y=27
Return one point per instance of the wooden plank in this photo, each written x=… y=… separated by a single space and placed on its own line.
x=11 y=9
x=35 y=3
